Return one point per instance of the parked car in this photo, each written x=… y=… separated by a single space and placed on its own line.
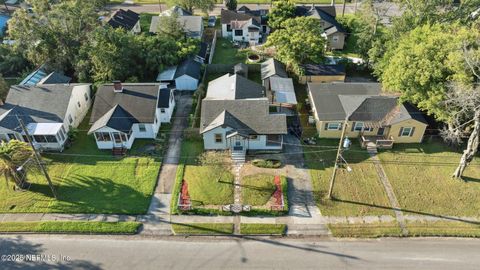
x=211 y=21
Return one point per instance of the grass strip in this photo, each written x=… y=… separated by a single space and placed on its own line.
x=443 y=228
x=82 y=227
x=202 y=228
x=247 y=228
x=371 y=230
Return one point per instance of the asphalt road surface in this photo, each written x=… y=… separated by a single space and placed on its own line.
x=95 y=252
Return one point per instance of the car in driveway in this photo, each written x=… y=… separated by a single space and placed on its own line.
x=211 y=21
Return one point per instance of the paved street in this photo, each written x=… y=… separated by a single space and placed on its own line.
x=262 y=253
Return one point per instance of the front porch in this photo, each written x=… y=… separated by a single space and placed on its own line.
x=379 y=142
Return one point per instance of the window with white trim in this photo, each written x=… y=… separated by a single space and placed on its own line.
x=70 y=119
x=253 y=137
x=406 y=131
x=142 y=128
x=162 y=110
x=334 y=126
x=358 y=126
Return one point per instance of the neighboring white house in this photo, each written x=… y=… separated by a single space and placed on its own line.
x=185 y=76
x=47 y=110
x=235 y=115
x=192 y=25
x=125 y=19
x=244 y=26
x=125 y=112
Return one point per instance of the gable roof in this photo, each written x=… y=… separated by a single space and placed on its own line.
x=325 y=97
x=55 y=78
x=318 y=69
x=36 y=104
x=139 y=100
x=234 y=87
x=188 y=67
x=246 y=116
x=126 y=19
x=117 y=118
x=325 y=13
x=272 y=67
x=359 y=102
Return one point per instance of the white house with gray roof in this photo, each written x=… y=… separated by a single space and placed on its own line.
x=192 y=25
x=235 y=116
x=49 y=111
x=125 y=112
x=185 y=76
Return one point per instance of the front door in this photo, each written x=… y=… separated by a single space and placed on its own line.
x=381 y=131
x=117 y=139
x=238 y=143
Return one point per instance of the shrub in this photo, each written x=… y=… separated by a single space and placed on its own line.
x=267 y=163
x=72 y=134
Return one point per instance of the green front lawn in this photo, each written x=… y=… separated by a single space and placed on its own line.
x=80 y=227
x=87 y=181
x=356 y=193
x=202 y=228
x=420 y=175
x=257 y=189
x=209 y=185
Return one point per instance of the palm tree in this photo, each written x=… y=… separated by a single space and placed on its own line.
x=12 y=155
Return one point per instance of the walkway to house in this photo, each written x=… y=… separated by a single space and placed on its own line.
x=372 y=151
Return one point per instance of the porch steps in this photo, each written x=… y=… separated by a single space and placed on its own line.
x=119 y=151
x=238 y=157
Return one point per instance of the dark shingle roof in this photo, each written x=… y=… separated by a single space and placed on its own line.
x=188 y=67
x=227 y=16
x=325 y=13
x=137 y=99
x=328 y=105
x=117 y=118
x=371 y=108
x=246 y=115
x=38 y=104
x=55 y=78
x=164 y=98
x=124 y=18
x=316 y=69
x=272 y=67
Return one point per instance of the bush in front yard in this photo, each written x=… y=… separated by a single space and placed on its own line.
x=267 y=163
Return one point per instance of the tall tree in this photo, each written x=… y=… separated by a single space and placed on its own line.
x=12 y=155
x=190 y=5
x=55 y=32
x=423 y=62
x=4 y=87
x=281 y=11
x=12 y=62
x=171 y=27
x=231 y=4
x=463 y=103
x=294 y=49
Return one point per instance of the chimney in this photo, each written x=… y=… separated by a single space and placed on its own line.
x=117 y=86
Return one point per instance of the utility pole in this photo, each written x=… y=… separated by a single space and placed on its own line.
x=160 y=6
x=38 y=158
x=355 y=9
x=343 y=10
x=339 y=151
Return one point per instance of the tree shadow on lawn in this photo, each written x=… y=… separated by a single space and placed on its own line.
x=407 y=211
x=83 y=194
x=19 y=245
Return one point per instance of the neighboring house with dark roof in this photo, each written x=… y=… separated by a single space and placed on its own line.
x=376 y=119
x=124 y=112
x=235 y=115
x=322 y=73
x=48 y=111
x=125 y=19
x=245 y=25
x=271 y=68
x=333 y=30
x=185 y=76
x=44 y=75
x=192 y=25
